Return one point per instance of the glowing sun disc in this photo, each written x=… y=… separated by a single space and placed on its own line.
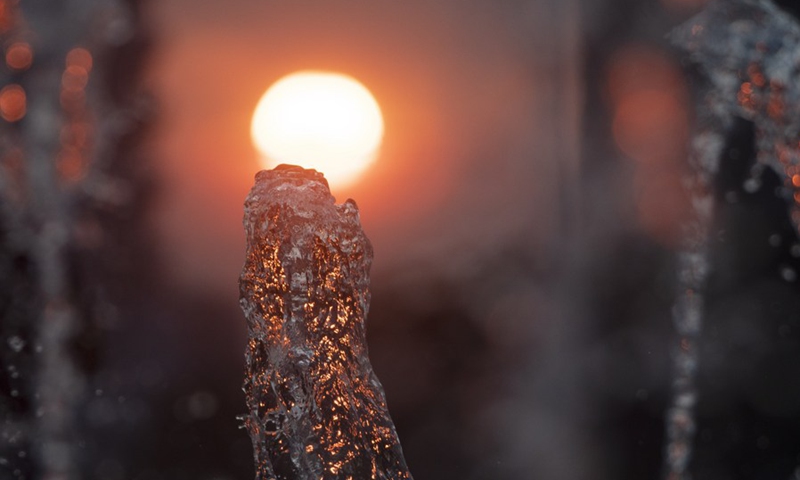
x=322 y=120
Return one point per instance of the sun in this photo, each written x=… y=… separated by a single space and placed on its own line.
x=322 y=120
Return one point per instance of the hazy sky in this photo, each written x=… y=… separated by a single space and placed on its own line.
x=471 y=143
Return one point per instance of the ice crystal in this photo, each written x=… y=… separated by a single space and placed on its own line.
x=317 y=409
x=749 y=50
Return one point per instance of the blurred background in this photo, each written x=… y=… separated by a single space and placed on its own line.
x=525 y=211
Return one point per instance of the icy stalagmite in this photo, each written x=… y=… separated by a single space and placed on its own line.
x=317 y=410
x=749 y=54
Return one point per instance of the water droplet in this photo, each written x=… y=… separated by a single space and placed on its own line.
x=788 y=274
x=16 y=343
x=751 y=185
x=775 y=240
x=685 y=400
x=795 y=250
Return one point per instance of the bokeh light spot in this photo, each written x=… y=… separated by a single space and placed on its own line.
x=13 y=103
x=650 y=125
x=74 y=78
x=70 y=164
x=80 y=57
x=7 y=14
x=19 y=56
x=649 y=98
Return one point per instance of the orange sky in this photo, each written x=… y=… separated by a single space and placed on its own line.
x=462 y=93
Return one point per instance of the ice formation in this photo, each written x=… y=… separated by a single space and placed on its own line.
x=748 y=52
x=317 y=409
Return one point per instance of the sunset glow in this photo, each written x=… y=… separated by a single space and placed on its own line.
x=326 y=121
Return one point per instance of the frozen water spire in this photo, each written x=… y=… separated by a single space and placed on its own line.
x=317 y=409
x=748 y=52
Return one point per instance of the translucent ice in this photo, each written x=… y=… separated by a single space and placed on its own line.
x=749 y=53
x=317 y=410
x=749 y=50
